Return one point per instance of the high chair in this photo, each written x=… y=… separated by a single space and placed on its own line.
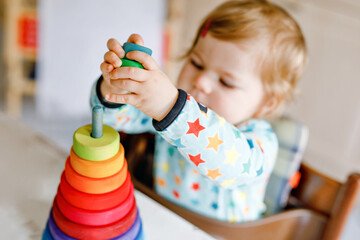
x=316 y=209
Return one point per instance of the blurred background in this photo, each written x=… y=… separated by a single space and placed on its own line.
x=51 y=52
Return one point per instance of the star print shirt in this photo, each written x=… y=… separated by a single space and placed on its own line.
x=201 y=161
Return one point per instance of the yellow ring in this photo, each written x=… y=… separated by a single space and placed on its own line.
x=97 y=169
x=96 y=149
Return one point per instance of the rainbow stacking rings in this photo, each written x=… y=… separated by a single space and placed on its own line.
x=95 y=197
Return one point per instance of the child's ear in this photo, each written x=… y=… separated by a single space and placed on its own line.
x=270 y=105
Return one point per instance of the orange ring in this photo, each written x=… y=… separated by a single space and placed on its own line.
x=95 y=185
x=94 y=201
x=97 y=169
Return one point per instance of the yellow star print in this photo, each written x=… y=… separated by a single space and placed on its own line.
x=122 y=110
x=227 y=182
x=221 y=119
x=214 y=142
x=165 y=167
x=182 y=164
x=246 y=210
x=231 y=156
x=241 y=196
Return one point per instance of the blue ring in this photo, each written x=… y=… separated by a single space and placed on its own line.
x=128 y=47
x=141 y=235
x=46 y=234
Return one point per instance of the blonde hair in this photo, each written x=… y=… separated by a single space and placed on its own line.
x=284 y=59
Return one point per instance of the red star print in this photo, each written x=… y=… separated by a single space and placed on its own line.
x=195 y=186
x=188 y=97
x=195 y=128
x=196 y=159
x=176 y=194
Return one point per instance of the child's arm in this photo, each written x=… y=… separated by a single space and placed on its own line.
x=225 y=154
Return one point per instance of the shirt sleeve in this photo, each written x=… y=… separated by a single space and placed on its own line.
x=121 y=117
x=228 y=155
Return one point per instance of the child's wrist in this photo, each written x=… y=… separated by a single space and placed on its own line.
x=102 y=90
x=167 y=108
x=173 y=113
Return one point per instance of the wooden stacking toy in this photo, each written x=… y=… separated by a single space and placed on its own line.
x=95 y=198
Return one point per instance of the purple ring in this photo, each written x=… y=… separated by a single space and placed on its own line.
x=56 y=231
x=131 y=233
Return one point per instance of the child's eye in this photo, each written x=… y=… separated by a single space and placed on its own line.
x=225 y=84
x=198 y=66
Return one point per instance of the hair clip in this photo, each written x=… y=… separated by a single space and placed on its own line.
x=206 y=28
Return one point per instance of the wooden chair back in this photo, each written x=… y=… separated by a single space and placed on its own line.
x=326 y=196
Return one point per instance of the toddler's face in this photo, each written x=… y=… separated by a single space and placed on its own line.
x=224 y=76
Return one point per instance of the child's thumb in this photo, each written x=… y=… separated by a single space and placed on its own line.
x=136 y=38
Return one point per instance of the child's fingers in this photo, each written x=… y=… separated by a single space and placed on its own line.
x=145 y=59
x=114 y=45
x=106 y=67
x=121 y=98
x=112 y=58
x=126 y=84
x=133 y=73
x=136 y=38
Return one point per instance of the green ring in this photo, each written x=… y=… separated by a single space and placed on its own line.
x=130 y=63
x=96 y=149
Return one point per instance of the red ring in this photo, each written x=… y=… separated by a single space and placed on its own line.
x=95 y=185
x=80 y=231
x=95 y=218
x=94 y=201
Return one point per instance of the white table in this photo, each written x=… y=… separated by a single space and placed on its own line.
x=30 y=173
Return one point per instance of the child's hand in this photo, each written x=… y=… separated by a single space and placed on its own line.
x=151 y=90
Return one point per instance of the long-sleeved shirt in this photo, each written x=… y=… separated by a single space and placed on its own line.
x=201 y=161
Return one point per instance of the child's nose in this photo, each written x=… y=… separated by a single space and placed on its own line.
x=203 y=82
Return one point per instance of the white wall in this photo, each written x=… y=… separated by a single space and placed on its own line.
x=72 y=43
